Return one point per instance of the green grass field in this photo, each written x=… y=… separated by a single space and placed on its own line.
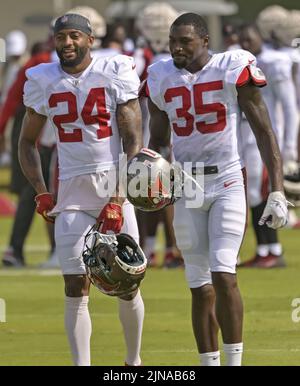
x=34 y=333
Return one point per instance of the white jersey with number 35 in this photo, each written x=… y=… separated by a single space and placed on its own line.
x=82 y=110
x=202 y=107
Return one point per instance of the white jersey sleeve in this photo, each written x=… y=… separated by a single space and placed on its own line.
x=156 y=73
x=125 y=78
x=33 y=93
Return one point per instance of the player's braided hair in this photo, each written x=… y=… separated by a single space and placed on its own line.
x=192 y=19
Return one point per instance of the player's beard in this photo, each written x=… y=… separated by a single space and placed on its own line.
x=80 y=54
x=180 y=64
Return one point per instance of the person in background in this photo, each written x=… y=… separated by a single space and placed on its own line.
x=230 y=37
x=279 y=93
x=17 y=55
x=280 y=29
x=13 y=107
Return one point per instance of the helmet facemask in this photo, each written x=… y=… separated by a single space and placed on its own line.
x=115 y=264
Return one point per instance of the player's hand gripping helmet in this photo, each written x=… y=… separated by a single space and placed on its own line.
x=152 y=182
x=115 y=264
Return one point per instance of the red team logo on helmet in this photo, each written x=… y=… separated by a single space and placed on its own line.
x=152 y=181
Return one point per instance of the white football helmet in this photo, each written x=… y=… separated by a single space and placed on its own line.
x=272 y=20
x=154 y=22
x=293 y=26
x=97 y=21
x=152 y=182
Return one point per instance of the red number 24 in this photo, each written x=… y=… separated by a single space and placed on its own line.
x=96 y=97
x=200 y=108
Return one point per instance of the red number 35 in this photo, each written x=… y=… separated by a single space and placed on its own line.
x=96 y=97
x=200 y=108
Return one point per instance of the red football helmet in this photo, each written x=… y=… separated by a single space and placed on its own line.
x=152 y=182
x=115 y=264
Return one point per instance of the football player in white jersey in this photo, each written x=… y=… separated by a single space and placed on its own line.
x=93 y=107
x=279 y=93
x=198 y=99
x=154 y=22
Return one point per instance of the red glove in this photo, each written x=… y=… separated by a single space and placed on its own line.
x=111 y=218
x=44 y=204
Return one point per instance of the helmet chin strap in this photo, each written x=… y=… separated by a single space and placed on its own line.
x=189 y=177
x=175 y=198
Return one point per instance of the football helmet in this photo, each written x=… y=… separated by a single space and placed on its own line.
x=291 y=184
x=293 y=28
x=154 y=22
x=152 y=182
x=115 y=264
x=271 y=21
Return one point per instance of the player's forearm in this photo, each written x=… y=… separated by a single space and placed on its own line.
x=160 y=142
x=31 y=165
x=256 y=112
x=132 y=146
x=129 y=120
x=162 y=146
x=271 y=156
x=158 y=139
x=160 y=132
